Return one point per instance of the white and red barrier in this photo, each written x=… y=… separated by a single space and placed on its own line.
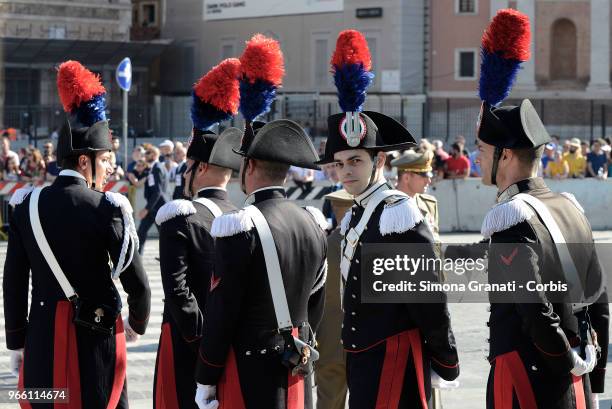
x=8 y=188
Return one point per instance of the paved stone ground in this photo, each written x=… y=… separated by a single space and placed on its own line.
x=468 y=323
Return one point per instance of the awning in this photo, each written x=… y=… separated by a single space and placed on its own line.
x=28 y=51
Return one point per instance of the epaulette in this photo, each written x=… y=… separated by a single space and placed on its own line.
x=428 y=198
x=505 y=215
x=318 y=216
x=231 y=223
x=130 y=237
x=399 y=215
x=19 y=195
x=119 y=200
x=321 y=278
x=572 y=199
x=170 y=210
x=344 y=224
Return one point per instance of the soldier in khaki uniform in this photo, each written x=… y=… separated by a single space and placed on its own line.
x=330 y=373
x=413 y=177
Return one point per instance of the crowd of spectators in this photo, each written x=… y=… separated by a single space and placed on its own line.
x=171 y=155
x=35 y=165
x=575 y=158
x=570 y=158
x=30 y=164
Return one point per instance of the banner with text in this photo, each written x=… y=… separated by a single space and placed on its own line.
x=226 y=9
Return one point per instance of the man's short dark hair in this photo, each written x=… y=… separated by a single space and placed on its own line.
x=529 y=156
x=70 y=162
x=273 y=171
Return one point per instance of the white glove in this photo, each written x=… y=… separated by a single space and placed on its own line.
x=16 y=361
x=584 y=366
x=130 y=334
x=205 y=397
x=438 y=383
x=594 y=401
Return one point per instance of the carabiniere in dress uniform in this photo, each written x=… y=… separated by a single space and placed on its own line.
x=257 y=343
x=186 y=247
x=72 y=336
x=392 y=350
x=542 y=347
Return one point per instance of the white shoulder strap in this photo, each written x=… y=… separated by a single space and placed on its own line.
x=41 y=240
x=275 y=278
x=351 y=239
x=567 y=263
x=210 y=205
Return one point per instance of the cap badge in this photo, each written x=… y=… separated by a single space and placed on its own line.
x=353 y=129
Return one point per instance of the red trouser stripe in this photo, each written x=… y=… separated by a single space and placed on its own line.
x=120 y=365
x=229 y=393
x=22 y=403
x=165 y=388
x=579 y=392
x=397 y=349
x=510 y=376
x=295 y=387
x=66 y=372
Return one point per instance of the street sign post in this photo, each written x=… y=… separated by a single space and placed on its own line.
x=124 y=80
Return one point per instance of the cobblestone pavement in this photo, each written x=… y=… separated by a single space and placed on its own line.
x=468 y=322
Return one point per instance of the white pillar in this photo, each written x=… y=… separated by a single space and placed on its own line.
x=526 y=77
x=496 y=5
x=600 y=46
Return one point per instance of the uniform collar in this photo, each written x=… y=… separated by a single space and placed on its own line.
x=213 y=192
x=520 y=187
x=265 y=193
x=363 y=198
x=71 y=173
x=71 y=176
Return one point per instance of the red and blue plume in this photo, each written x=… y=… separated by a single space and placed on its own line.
x=216 y=96
x=351 y=65
x=81 y=92
x=505 y=47
x=263 y=68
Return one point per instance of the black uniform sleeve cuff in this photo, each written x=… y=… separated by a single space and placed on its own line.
x=558 y=362
x=15 y=338
x=207 y=373
x=448 y=372
x=597 y=378
x=139 y=326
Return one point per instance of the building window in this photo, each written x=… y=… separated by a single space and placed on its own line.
x=466 y=6
x=321 y=62
x=564 y=51
x=149 y=15
x=228 y=49
x=465 y=64
x=372 y=43
x=57 y=33
x=188 y=61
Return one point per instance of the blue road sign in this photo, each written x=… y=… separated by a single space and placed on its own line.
x=124 y=74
